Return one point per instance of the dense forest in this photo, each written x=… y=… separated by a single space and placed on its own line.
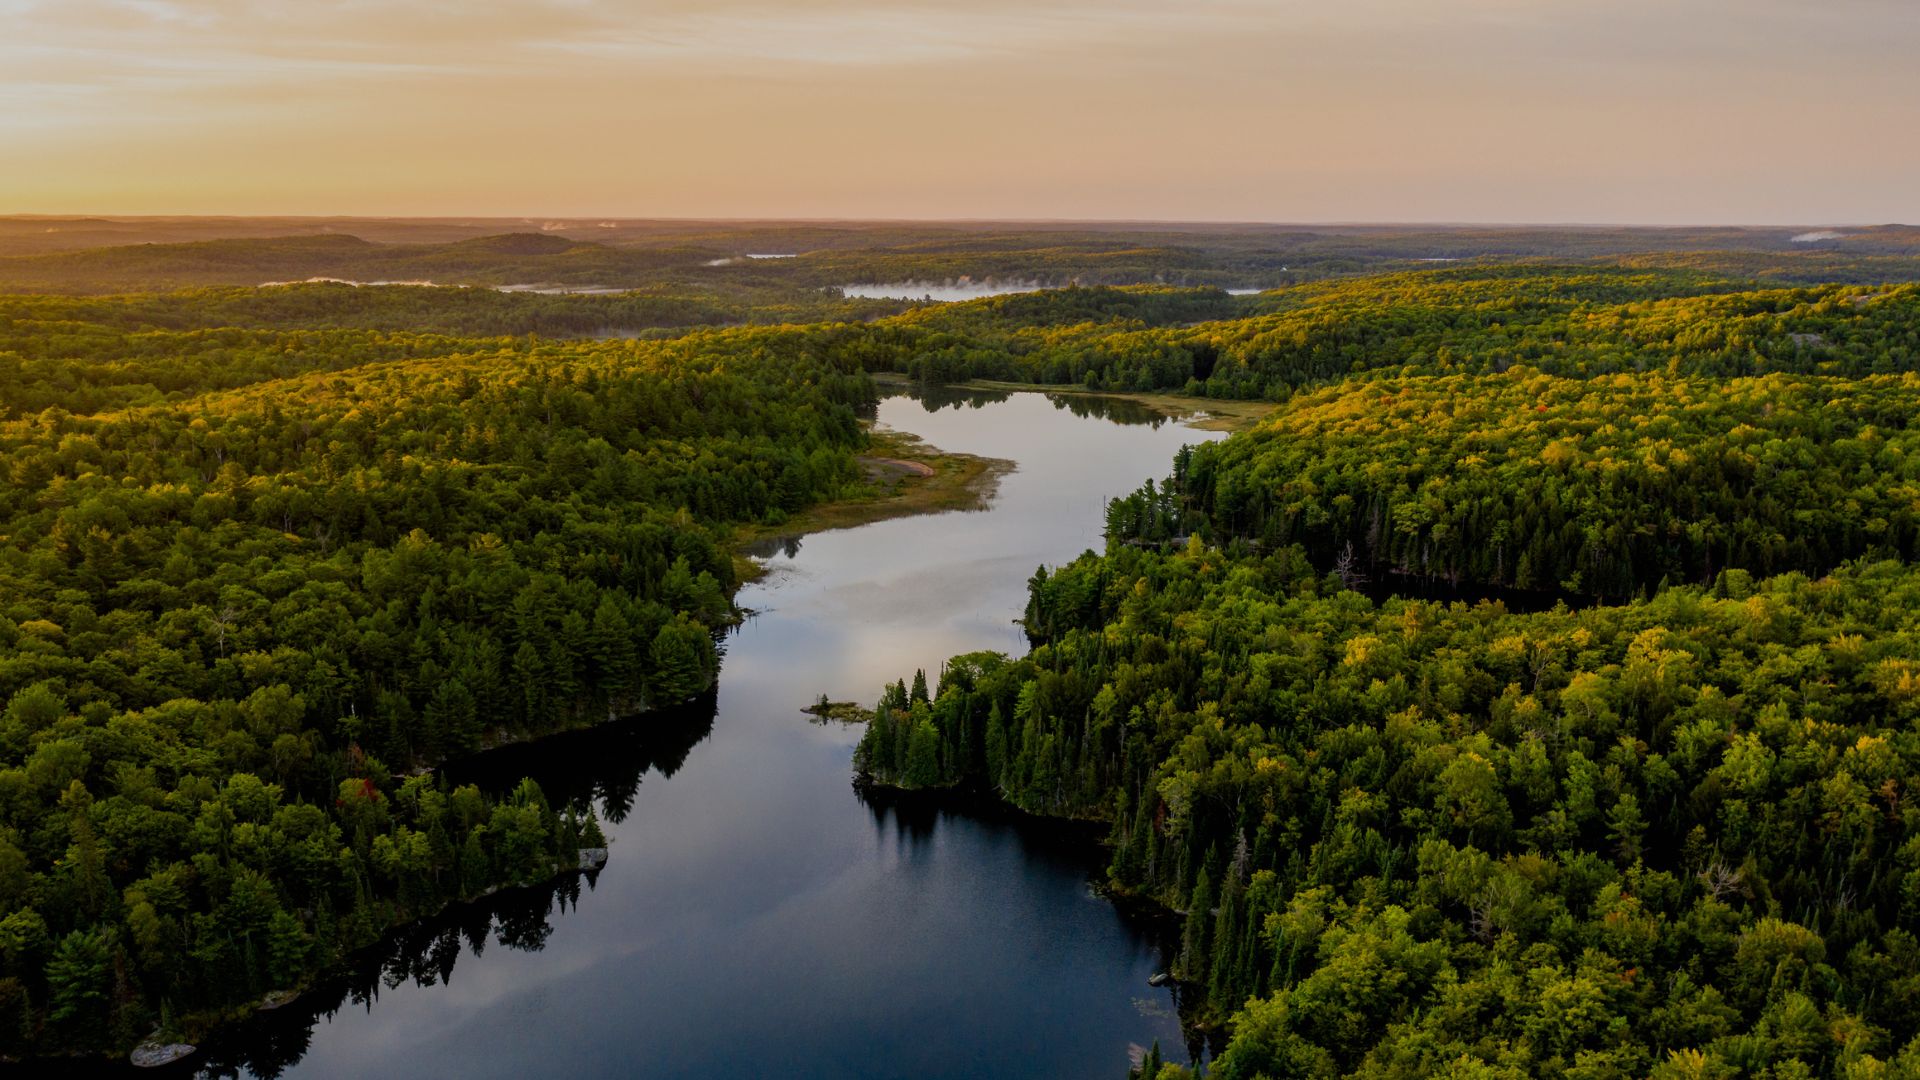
x=1570 y=321
x=272 y=554
x=256 y=580
x=1670 y=837
x=1606 y=487
x=1665 y=831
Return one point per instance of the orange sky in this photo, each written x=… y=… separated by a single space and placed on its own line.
x=1652 y=111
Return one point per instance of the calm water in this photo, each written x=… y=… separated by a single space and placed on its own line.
x=939 y=290
x=758 y=917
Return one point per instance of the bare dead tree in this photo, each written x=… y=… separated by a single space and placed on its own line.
x=1346 y=566
x=223 y=621
x=1721 y=880
x=1480 y=920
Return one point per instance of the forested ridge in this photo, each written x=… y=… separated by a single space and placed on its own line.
x=1605 y=487
x=1666 y=832
x=255 y=579
x=270 y=554
x=70 y=256
x=1572 y=321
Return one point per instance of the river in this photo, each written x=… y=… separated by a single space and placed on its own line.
x=759 y=917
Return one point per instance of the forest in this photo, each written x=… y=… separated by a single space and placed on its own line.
x=258 y=581
x=1627 y=840
x=1630 y=798
x=120 y=255
x=1625 y=794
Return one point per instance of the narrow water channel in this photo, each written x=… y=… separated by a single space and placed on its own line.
x=759 y=918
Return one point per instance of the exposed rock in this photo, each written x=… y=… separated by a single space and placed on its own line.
x=276 y=999
x=152 y=1054
x=593 y=858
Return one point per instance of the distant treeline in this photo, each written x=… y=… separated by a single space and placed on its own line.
x=117 y=256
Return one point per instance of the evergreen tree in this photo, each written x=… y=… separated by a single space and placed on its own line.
x=923 y=753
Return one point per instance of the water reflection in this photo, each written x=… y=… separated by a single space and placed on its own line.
x=599 y=766
x=425 y=954
x=758 y=917
x=1117 y=410
x=936 y=396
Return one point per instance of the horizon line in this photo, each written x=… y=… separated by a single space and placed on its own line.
x=594 y=219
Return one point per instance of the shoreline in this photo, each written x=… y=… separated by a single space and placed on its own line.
x=1203 y=414
x=907 y=477
x=174 y=1053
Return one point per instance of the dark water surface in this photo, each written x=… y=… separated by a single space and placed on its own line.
x=758 y=916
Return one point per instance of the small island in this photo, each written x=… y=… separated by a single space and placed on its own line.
x=842 y=712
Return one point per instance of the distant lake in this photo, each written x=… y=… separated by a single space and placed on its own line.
x=759 y=916
x=735 y=260
x=564 y=290
x=940 y=290
x=965 y=290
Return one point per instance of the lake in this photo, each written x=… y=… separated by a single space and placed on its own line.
x=759 y=917
x=939 y=290
x=962 y=289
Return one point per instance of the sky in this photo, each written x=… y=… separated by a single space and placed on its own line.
x=1802 y=112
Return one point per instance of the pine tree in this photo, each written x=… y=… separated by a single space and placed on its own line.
x=678 y=655
x=78 y=980
x=476 y=869
x=923 y=753
x=996 y=747
x=1196 y=939
x=590 y=832
x=874 y=755
x=288 y=948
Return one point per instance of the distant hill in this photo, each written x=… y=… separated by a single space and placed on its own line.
x=508 y=259
x=100 y=255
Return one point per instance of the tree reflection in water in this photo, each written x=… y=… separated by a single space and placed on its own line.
x=599 y=767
